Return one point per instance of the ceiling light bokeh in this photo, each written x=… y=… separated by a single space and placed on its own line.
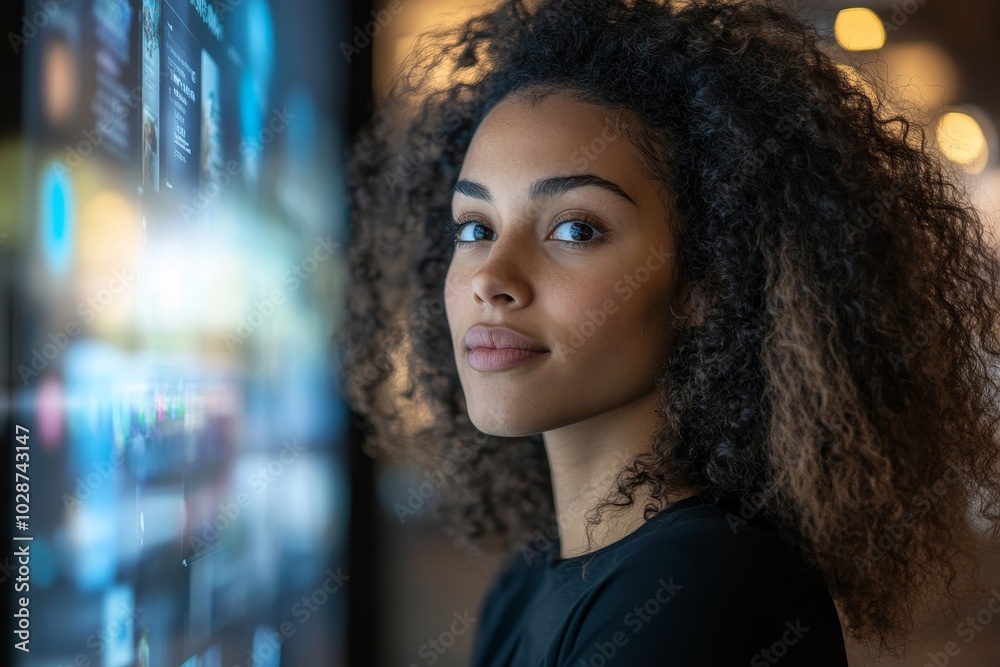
x=859 y=29
x=962 y=138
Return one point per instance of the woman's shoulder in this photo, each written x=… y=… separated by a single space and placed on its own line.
x=690 y=536
x=711 y=543
x=704 y=582
x=713 y=530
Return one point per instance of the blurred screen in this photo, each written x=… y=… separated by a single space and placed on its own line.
x=176 y=272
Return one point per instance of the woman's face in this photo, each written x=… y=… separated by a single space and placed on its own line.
x=599 y=309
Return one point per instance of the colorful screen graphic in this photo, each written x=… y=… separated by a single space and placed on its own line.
x=179 y=426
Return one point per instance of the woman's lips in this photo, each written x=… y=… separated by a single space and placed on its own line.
x=493 y=359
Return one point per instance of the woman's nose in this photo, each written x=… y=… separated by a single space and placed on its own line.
x=504 y=276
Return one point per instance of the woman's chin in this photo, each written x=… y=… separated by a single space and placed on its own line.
x=490 y=425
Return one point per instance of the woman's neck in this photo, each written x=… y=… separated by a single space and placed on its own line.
x=584 y=459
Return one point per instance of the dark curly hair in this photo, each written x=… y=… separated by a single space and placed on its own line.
x=840 y=382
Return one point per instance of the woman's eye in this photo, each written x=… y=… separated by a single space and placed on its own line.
x=478 y=231
x=576 y=231
x=576 y=234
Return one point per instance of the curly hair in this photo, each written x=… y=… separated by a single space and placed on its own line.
x=840 y=381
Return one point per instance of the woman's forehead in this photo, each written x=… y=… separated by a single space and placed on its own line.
x=556 y=135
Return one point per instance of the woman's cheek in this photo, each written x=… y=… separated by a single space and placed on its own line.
x=452 y=290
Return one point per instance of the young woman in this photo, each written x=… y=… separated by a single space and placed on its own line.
x=672 y=262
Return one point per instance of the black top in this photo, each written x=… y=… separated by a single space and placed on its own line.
x=694 y=586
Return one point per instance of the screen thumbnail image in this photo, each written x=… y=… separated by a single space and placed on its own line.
x=151 y=95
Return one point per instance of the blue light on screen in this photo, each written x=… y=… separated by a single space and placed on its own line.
x=56 y=224
x=153 y=414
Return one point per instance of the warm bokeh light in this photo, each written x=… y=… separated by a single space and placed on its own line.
x=107 y=250
x=59 y=81
x=859 y=29
x=961 y=139
x=109 y=233
x=924 y=73
x=400 y=34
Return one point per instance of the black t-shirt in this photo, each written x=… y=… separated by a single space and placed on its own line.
x=694 y=586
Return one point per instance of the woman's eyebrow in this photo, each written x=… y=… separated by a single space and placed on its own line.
x=546 y=187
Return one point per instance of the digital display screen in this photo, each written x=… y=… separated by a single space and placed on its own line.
x=176 y=279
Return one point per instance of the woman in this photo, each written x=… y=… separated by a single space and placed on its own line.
x=670 y=261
